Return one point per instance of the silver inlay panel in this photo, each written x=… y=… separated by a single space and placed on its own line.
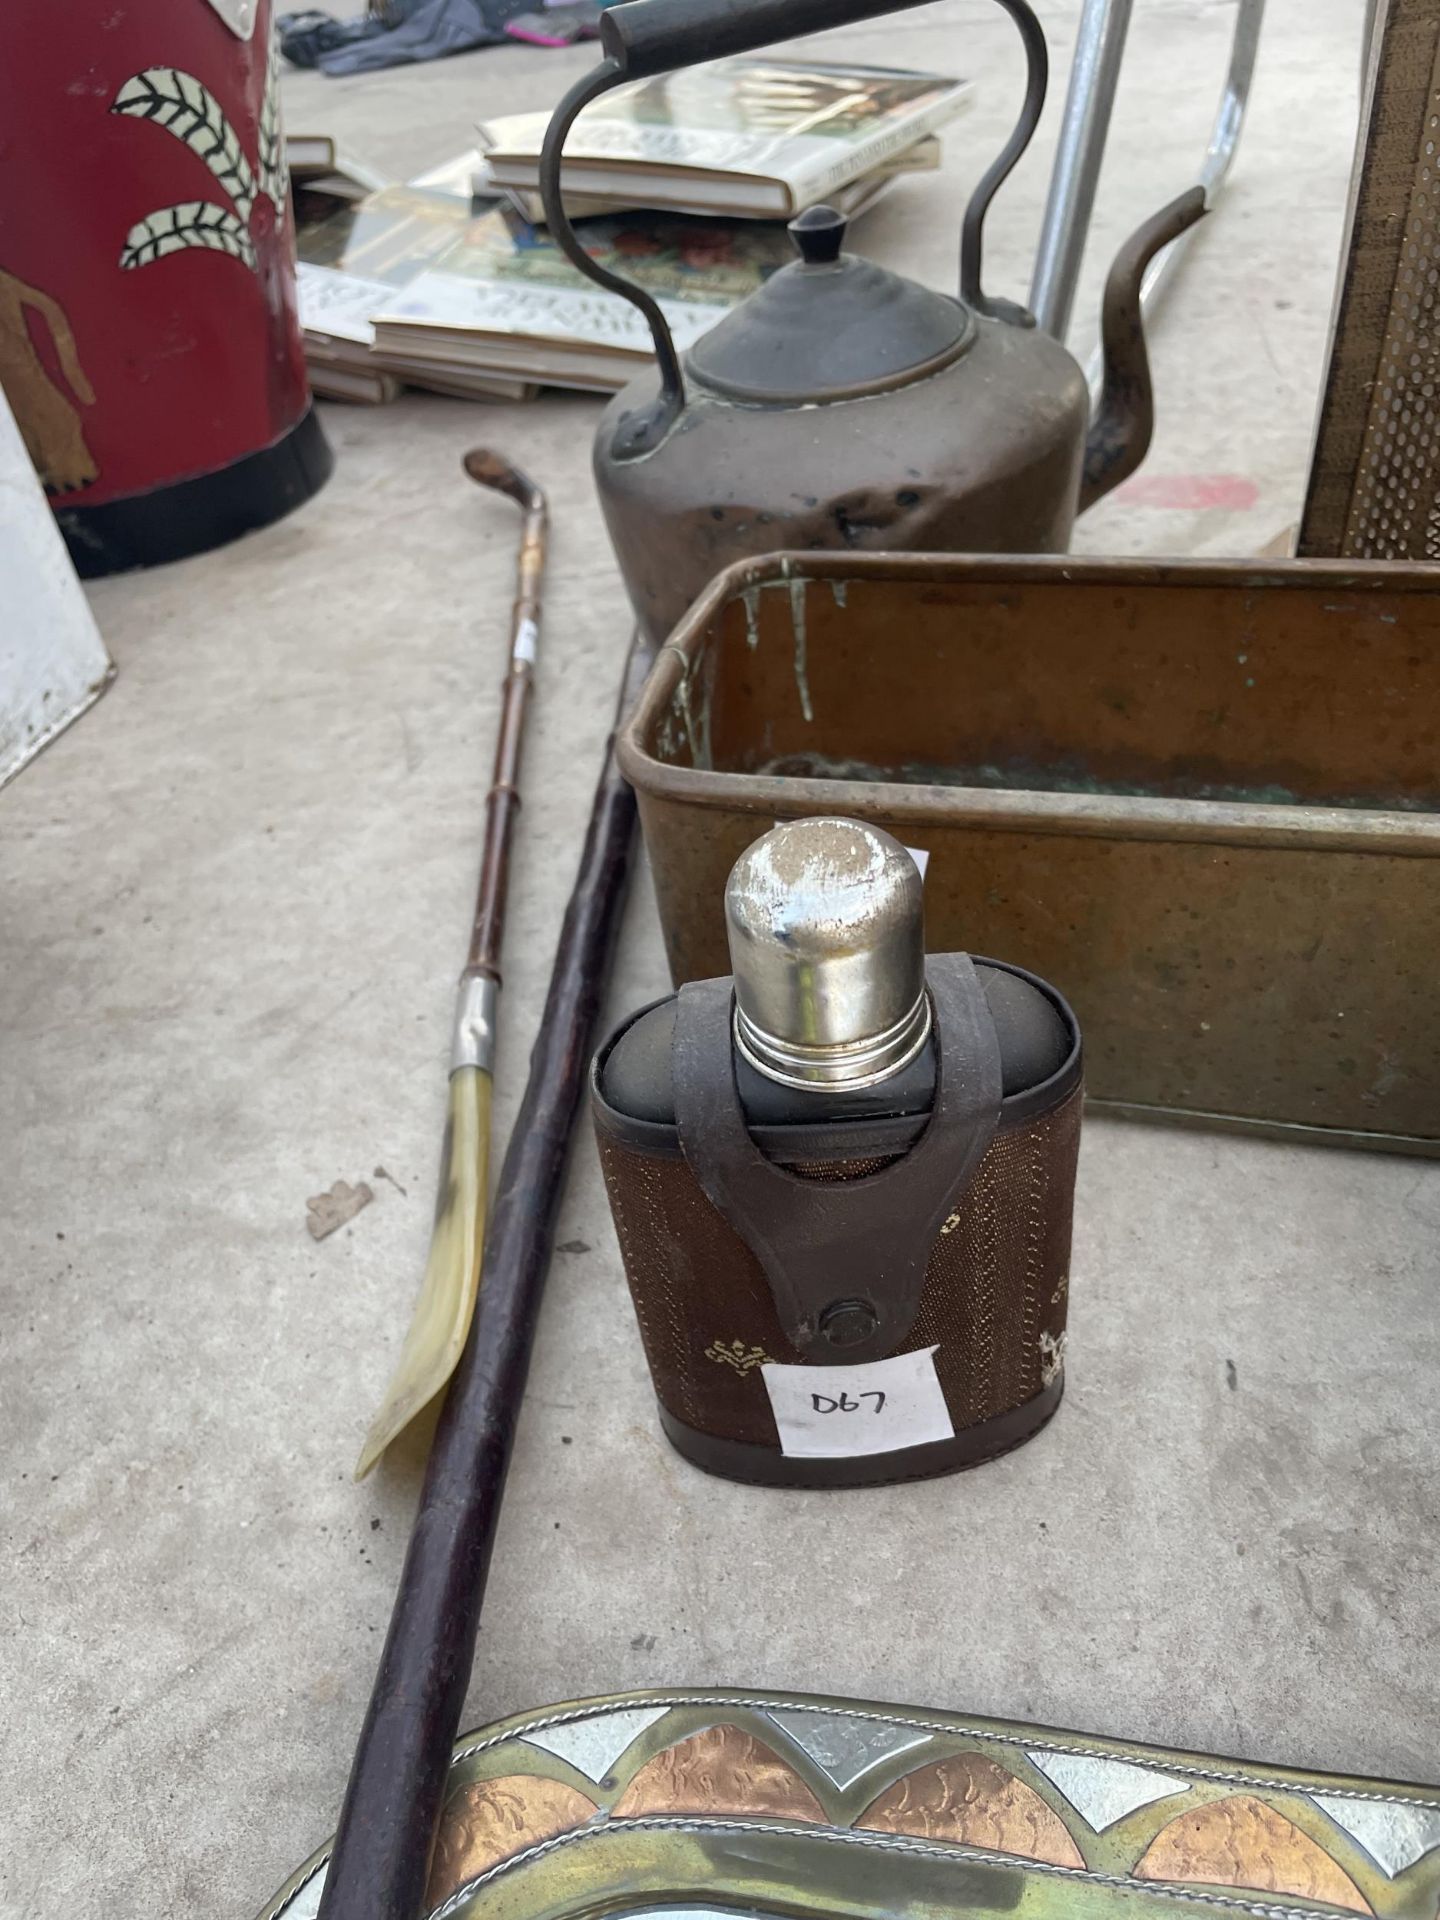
x=306 y=1903
x=593 y=1746
x=842 y=1746
x=1104 y=1791
x=1394 y=1834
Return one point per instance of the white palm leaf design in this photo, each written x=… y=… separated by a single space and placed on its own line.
x=194 y=223
x=185 y=107
x=274 y=173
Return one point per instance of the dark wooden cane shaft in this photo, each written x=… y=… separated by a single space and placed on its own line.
x=386 y=1833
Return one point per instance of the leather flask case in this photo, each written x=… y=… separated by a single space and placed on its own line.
x=832 y=1299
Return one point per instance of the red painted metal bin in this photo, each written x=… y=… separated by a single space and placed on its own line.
x=149 y=344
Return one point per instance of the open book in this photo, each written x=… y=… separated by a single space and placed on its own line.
x=503 y=299
x=355 y=263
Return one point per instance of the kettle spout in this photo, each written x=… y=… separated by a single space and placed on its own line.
x=1124 y=421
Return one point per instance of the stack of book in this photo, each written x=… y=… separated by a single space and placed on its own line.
x=682 y=183
x=355 y=265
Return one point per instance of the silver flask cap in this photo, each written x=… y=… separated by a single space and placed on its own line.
x=826 y=923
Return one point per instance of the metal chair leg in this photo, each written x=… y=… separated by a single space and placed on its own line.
x=1224 y=138
x=1089 y=103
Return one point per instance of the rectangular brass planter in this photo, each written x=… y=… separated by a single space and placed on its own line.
x=1203 y=799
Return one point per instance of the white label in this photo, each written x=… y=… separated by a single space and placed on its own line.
x=831 y=1413
x=525 y=638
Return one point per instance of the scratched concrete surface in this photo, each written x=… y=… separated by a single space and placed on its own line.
x=235 y=895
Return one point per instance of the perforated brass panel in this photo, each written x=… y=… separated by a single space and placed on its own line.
x=1374 y=489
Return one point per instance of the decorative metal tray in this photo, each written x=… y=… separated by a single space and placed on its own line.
x=718 y=1803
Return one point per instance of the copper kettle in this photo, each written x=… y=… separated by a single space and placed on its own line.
x=842 y=405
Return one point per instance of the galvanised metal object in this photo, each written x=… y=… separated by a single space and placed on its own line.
x=826 y=925
x=841 y=406
x=1203 y=799
x=707 y=1802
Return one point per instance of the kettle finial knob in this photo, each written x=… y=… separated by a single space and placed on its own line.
x=819 y=233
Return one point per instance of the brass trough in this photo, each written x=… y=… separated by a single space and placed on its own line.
x=1204 y=799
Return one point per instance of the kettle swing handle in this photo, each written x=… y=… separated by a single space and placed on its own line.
x=646 y=37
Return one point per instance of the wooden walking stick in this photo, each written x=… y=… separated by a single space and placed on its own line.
x=381 y=1856
x=452 y=1271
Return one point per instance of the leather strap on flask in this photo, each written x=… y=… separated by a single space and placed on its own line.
x=845 y=1260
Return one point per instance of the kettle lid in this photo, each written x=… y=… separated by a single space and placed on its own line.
x=830 y=326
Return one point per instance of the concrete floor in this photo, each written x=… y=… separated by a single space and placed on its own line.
x=235 y=895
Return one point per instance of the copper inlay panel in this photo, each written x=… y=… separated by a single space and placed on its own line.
x=721 y=1770
x=970 y=1800
x=1240 y=1842
x=490 y=1820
